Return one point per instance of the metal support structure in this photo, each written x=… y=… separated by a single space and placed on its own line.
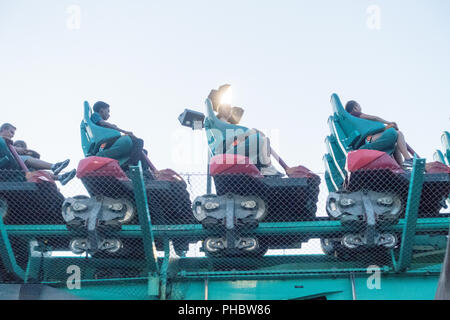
x=206 y=288
x=6 y=251
x=196 y=231
x=145 y=221
x=412 y=210
x=208 y=175
x=352 y=281
x=291 y=273
x=163 y=270
x=271 y=274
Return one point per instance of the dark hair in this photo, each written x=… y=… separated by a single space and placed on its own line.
x=7 y=126
x=20 y=144
x=349 y=106
x=100 y=105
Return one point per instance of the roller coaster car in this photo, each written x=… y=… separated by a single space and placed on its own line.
x=26 y=197
x=443 y=157
x=368 y=189
x=104 y=173
x=245 y=197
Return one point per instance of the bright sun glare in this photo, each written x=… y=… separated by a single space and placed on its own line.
x=227 y=96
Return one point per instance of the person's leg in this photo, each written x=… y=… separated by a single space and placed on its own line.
x=401 y=146
x=264 y=152
x=376 y=136
x=137 y=153
x=398 y=156
x=38 y=164
x=385 y=142
x=66 y=177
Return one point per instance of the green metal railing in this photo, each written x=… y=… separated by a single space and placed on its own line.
x=160 y=270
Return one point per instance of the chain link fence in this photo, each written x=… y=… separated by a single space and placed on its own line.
x=258 y=225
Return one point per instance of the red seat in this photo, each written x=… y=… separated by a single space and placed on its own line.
x=363 y=159
x=232 y=164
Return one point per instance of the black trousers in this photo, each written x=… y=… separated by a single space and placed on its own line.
x=137 y=153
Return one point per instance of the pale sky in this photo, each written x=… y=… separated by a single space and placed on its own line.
x=151 y=59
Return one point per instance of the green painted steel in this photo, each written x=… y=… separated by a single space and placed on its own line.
x=7 y=160
x=365 y=287
x=354 y=130
x=196 y=231
x=93 y=136
x=412 y=210
x=287 y=276
x=148 y=239
x=164 y=268
x=445 y=140
x=110 y=289
x=6 y=253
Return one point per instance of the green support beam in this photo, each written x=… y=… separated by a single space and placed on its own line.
x=148 y=238
x=411 y=214
x=145 y=221
x=365 y=287
x=197 y=232
x=6 y=252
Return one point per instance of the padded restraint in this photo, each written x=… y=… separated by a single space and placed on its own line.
x=7 y=160
x=445 y=139
x=92 y=135
x=355 y=129
x=217 y=131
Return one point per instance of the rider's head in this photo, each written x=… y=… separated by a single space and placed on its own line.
x=7 y=130
x=352 y=106
x=20 y=144
x=102 y=108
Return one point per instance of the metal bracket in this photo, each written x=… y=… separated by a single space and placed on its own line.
x=97 y=217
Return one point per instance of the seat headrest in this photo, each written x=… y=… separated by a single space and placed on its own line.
x=87 y=111
x=352 y=125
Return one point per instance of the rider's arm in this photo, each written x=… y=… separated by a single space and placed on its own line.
x=375 y=118
x=105 y=124
x=27 y=152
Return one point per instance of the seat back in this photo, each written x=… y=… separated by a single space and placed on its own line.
x=7 y=160
x=217 y=131
x=92 y=135
x=355 y=130
x=335 y=179
x=348 y=133
x=445 y=139
x=337 y=156
x=439 y=156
